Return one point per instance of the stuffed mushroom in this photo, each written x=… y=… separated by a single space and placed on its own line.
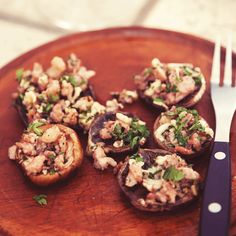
x=183 y=131
x=47 y=153
x=156 y=180
x=115 y=133
x=163 y=85
x=54 y=94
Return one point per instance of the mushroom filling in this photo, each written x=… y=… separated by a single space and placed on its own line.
x=183 y=130
x=124 y=131
x=53 y=94
x=88 y=109
x=168 y=84
x=125 y=96
x=43 y=152
x=167 y=179
x=117 y=134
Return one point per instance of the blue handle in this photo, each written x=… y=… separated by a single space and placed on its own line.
x=215 y=212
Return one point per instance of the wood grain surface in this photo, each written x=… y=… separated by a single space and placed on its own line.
x=90 y=202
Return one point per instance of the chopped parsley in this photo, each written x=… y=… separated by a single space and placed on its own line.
x=193 y=112
x=171 y=173
x=21 y=97
x=181 y=139
x=158 y=100
x=118 y=132
x=41 y=98
x=54 y=98
x=133 y=136
x=41 y=199
x=48 y=107
x=198 y=80
x=137 y=157
x=178 y=79
x=52 y=172
x=35 y=127
x=187 y=70
x=82 y=82
x=171 y=88
x=153 y=171
x=181 y=112
x=19 y=74
x=197 y=126
x=52 y=157
x=70 y=79
x=147 y=71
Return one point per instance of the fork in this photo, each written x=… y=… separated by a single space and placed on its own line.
x=215 y=212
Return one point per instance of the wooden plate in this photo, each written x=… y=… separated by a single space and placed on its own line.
x=91 y=203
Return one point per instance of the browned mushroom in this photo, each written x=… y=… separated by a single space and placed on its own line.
x=119 y=132
x=47 y=153
x=164 y=85
x=114 y=133
x=156 y=180
x=183 y=131
x=53 y=94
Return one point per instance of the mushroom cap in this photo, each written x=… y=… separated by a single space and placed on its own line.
x=93 y=135
x=188 y=101
x=45 y=180
x=137 y=192
x=20 y=107
x=172 y=150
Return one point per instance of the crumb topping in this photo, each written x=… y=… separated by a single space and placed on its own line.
x=166 y=180
x=168 y=84
x=183 y=129
x=42 y=152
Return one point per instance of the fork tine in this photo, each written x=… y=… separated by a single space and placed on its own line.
x=215 y=72
x=228 y=62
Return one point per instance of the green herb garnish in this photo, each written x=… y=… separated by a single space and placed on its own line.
x=41 y=199
x=52 y=156
x=118 y=131
x=152 y=172
x=48 y=107
x=197 y=126
x=178 y=79
x=181 y=139
x=70 y=79
x=137 y=157
x=147 y=71
x=35 y=127
x=21 y=97
x=180 y=109
x=136 y=132
x=187 y=70
x=193 y=112
x=41 y=98
x=198 y=80
x=52 y=172
x=73 y=81
x=19 y=74
x=133 y=136
x=171 y=88
x=173 y=174
x=83 y=81
x=158 y=100
x=54 y=98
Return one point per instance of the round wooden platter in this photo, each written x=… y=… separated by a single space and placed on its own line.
x=90 y=202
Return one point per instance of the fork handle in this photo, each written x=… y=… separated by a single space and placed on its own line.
x=215 y=212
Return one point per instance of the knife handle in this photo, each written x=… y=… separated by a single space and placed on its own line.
x=215 y=212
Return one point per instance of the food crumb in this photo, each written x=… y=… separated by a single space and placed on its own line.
x=125 y=96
